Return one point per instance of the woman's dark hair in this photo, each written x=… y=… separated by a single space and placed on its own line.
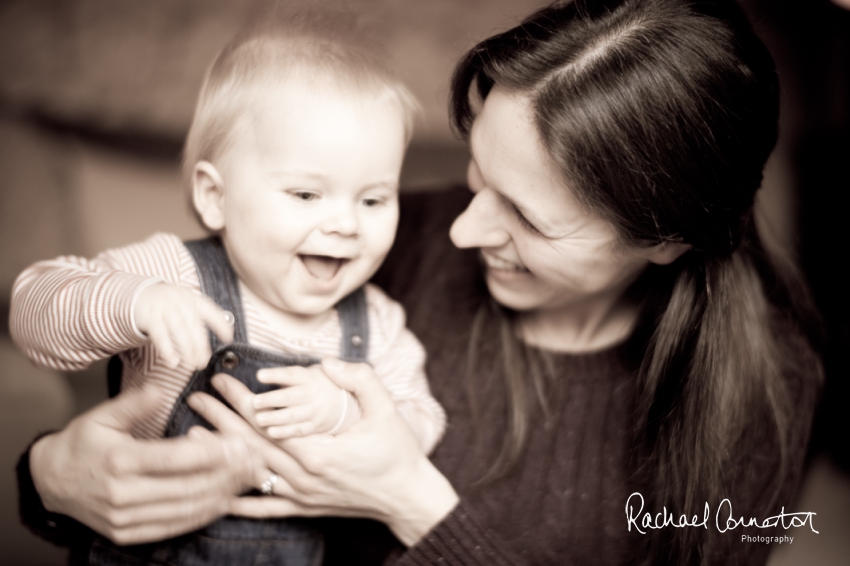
x=661 y=115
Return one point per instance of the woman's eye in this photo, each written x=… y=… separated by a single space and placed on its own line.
x=525 y=223
x=523 y=220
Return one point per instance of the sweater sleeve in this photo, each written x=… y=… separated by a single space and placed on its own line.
x=461 y=539
x=58 y=529
x=70 y=311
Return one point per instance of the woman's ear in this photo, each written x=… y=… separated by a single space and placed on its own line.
x=666 y=253
x=208 y=195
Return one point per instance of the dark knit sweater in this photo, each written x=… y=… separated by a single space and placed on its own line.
x=565 y=502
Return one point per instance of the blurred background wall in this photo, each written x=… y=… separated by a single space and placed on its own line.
x=96 y=97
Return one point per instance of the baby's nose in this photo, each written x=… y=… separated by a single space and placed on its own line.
x=342 y=220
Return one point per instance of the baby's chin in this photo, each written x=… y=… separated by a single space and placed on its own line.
x=309 y=304
x=290 y=303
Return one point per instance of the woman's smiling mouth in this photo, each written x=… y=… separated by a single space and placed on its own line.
x=500 y=264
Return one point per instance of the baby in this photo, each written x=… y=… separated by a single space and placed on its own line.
x=293 y=162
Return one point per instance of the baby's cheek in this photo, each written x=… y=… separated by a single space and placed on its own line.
x=382 y=240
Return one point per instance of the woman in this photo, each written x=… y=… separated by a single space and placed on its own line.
x=630 y=334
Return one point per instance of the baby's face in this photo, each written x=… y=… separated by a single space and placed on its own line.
x=310 y=197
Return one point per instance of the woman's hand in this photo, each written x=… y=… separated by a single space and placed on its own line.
x=135 y=491
x=375 y=469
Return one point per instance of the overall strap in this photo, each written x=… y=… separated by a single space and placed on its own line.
x=219 y=282
x=354 y=320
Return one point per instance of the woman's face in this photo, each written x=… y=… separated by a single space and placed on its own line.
x=542 y=248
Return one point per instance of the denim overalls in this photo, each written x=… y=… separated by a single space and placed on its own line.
x=232 y=540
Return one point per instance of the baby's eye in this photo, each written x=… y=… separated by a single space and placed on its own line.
x=306 y=196
x=372 y=201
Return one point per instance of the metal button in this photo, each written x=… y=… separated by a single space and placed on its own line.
x=356 y=340
x=229 y=318
x=229 y=360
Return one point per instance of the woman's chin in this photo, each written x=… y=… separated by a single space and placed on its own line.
x=512 y=297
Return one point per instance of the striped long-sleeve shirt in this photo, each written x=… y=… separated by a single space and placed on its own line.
x=70 y=311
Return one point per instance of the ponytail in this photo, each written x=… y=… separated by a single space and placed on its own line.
x=715 y=369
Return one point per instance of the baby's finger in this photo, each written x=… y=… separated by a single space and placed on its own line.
x=290 y=375
x=220 y=321
x=189 y=337
x=198 y=337
x=161 y=339
x=289 y=416
x=195 y=336
x=280 y=398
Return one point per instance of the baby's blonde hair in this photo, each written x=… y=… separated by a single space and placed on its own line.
x=288 y=46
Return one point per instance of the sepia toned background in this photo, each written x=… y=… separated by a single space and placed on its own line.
x=97 y=95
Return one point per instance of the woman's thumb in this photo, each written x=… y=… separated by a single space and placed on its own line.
x=128 y=408
x=361 y=381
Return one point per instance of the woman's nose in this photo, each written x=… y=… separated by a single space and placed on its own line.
x=481 y=224
x=342 y=220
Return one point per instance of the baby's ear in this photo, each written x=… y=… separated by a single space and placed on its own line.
x=208 y=195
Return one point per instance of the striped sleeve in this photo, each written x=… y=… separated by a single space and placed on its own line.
x=70 y=311
x=399 y=361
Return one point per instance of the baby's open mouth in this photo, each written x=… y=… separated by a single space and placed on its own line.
x=321 y=266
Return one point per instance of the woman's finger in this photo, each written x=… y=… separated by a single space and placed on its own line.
x=173 y=456
x=218 y=415
x=198 y=432
x=304 y=428
x=162 y=520
x=273 y=507
x=127 y=409
x=170 y=457
x=272 y=457
x=237 y=394
x=361 y=381
x=266 y=507
x=140 y=491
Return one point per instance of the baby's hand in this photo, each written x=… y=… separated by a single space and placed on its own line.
x=176 y=320
x=307 y=403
